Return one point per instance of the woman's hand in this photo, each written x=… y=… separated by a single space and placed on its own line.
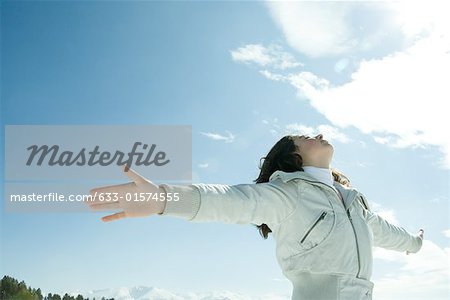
x=421 y=231
x=139 y=198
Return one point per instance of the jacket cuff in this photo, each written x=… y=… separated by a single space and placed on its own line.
x=416 y=245
x=184 y=201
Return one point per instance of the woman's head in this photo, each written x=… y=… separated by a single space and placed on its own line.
x=290 y=154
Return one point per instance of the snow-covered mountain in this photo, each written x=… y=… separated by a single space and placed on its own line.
x=153 y=293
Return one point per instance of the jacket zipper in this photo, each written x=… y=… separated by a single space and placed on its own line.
x=350 y=219
x=321 y=217
x=357 y=246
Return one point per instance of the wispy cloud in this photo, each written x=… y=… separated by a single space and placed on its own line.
x=271 y=56
x=203 y=166
x=330 y=133
x=272 y=76
x=229 y=138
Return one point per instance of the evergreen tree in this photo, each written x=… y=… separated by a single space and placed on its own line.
x=39 y=294
x=67 y=297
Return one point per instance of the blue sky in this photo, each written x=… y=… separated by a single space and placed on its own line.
x=242 y=75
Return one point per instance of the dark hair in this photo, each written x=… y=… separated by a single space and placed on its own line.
x=284 y=157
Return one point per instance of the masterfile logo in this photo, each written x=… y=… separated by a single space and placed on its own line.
x=53 y=156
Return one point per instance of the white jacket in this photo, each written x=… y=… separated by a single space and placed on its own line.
x=323 y=246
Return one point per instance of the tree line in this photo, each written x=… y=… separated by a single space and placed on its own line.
x=12 y=289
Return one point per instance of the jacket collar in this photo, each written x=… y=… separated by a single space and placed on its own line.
x=288 y=176
x=348 y=194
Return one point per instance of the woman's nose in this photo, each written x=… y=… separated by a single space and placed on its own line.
x=319 y=136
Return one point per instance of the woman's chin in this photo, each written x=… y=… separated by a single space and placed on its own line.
x=325 y=143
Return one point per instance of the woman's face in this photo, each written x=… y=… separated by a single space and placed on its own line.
x=315 y=151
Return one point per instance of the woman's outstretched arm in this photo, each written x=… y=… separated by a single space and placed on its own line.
x=390 y=236
x=268 y=202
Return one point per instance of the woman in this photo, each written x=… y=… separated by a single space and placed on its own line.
x=324 y=229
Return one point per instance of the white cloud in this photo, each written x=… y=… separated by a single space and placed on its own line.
x=423 y=275
x=381 y=140
x=330 y=133
x=334 y=28
x=229 y=138
x=421 y=17
x=401 y=99
x=300 y=129
x=203 y=166
x=272 y=76
x=271 y=56
x=314 y=28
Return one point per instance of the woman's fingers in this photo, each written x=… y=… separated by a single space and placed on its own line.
x=421 y=231
x=136 y=177
x=114 y=217
x=111 y=192
x=113 y=196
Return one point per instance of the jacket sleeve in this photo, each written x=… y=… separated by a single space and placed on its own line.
x=268 y=202
x=389 y=236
